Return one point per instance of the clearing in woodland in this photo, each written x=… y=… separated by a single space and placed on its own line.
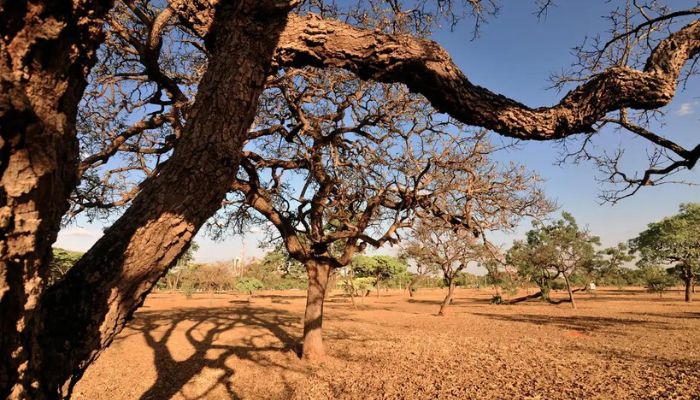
x=618 y=344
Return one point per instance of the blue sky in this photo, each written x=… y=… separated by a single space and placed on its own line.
x=515 y=55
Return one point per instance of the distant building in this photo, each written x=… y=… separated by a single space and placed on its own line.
x=236 y=266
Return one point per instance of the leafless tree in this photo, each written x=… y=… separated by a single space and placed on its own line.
x=450 y=249
x=335 y=165
x=493 y=198
x=48 y=49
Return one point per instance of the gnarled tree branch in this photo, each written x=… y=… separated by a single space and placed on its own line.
x=427 y=68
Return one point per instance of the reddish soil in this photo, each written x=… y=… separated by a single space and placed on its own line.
x=617 y=345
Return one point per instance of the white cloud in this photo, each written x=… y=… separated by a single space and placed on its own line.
x=76 y=238
x=80 y=232
x=686 y=109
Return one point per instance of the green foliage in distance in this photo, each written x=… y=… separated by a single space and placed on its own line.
x=673 y=242
x=61 y=261
x=557 y=250
x=249 y=285
x=381 y=268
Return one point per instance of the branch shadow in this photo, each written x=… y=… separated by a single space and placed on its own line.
x=205 y=326
x=576 y=322
x=677 y=315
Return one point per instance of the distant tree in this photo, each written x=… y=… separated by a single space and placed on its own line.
x=355 y=287
x=557 y=250
x=214 y=277
x=347 y=176
x=171 y=280
x=607 y=264
x=61 y=261
x=249 y=285
x=412 y=251
x=674 y=242
x=280 y=261
x=491 y=197
x=656 y=279
x=380 y=268
x=451 y=249
x=503 y=277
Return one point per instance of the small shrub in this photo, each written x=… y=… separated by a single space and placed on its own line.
x=358 y=286
x=249 y=285
x=657 y=280
x=497 y=299
x=557 y=285
x=187 y=289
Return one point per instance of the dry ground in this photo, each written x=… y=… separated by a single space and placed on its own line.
x=618 y=344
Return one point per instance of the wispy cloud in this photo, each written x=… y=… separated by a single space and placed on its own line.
x=687 y=109
x=80 y=232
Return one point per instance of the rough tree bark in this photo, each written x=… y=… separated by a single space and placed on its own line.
x=46 y=51
x=426 y=68
x=448 y=299
x=318 y=273
x=79 y=316
x=82 y=314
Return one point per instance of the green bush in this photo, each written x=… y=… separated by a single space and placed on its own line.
x=249 y=285
x=358 y=286
x=286 y=284
x=657 y=280
x=61 y=261
x=557 y=285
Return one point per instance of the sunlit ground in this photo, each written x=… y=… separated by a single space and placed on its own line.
x=617 y=344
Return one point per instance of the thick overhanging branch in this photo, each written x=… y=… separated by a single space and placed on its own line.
x=427 y=68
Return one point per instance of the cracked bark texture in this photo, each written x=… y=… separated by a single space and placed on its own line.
x=46 y=51
x=427 y=68
x=80 y=315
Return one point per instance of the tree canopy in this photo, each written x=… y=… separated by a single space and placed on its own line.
x=555 y=250
x=673 y=241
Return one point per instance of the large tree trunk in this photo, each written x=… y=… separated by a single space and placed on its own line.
x=318 y=274
x=689 y=288
x=46 y=51
x=448 y=299
x=568 y=289
x=82 y=313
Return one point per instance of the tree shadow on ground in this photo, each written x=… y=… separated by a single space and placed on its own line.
x=205 y=326
x=621 y=298
x=674 y=315
x=280 y=296
x=575 y=322
x=460 y=301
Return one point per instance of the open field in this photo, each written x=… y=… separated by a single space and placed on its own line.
x=617 y=344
